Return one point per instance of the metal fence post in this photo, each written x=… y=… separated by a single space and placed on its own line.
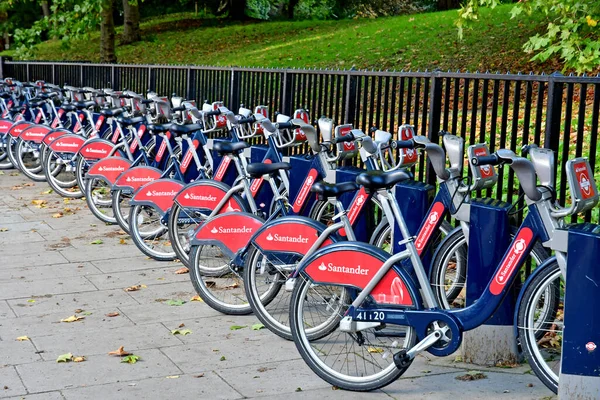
x=234 y=90
x=113 y=81
x=151 y=80
x=81 y=75
x=188 y=87
x=28 y=78
x=1 y=67
x=435 y=116
x=54 y=74
x=351 y=84
x=286 y=101
x=554 y=115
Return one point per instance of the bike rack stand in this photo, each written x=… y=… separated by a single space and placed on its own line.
x=580 y=364
x=489 y=237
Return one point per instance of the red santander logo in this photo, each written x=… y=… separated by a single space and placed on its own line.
x=304 y=190
x=511 y=260
x=432 y=221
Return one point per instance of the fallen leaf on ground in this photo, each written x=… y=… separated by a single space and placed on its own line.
x=133 y=288
x=72 y=318
x=79 y=359
x=222 y=358
x=181 y=325
x=28 y=184
x=237 y=327
x=197 y=298
x=182 y=332
x=78 y=311
x=122 y=241
x=16 y=187
x=49 y=191
x=64 y=358
x=31 y=301
x=257 y=327
x=182 y=270
x=14 y=174
x=131 y=359
x=38 y=202
x=472 y=376
x=22 y=338
x=172 y=376
x=199 y=375
x=119 y=352
x=97 y=241
x=113 y=314
x=232 y=286
x=175 y=302
x=375 y=350
x=3 y=229
x=57 y=215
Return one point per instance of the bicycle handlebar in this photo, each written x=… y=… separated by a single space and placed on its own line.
x=486 y=160
x=250 y=120
x=403 y=144
x=348 y=137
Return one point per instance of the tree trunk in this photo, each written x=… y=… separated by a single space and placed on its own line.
x=237 y=9
x=131 y=24
x=291 y=6
x=107 y=33
x=447 y=4
x=46 y=9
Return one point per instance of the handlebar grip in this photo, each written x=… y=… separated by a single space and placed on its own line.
x=249 y=120
x=403 y=144
x=180 y=108
x=492 y=159
x=211 y=113
x=147 y=101
x=349 y=137
x=285 y=125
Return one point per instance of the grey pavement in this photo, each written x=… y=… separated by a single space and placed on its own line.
x=50 y=271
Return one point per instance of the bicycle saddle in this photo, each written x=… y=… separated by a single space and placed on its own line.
x=230 y=147
x=379 y=180
x=112 y=112
x=157 y=128
x=131 y=121
x=183 y=129
x=257 y=170
x=68 y=107
x=325 y=190
x=85 y=104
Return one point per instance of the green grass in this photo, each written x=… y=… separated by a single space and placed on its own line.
x=417 y=41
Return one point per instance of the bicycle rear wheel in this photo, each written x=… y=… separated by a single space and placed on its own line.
x=360 y=361
x=149 y=234
x=98 y=197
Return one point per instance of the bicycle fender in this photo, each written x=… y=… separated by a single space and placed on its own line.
x=5 y=125
x=18 y=127
x=68 y=143
x=158 y=194
x=230 y=232
x=54 y=134
x=531 y=277
x=291 y=234
x=206 y=194
x=35 y=133
x=134 y=178
x=354 y=264
x=109 y=169
x=96 y=149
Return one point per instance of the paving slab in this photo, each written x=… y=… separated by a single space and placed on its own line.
x=34 y=257
x=10 y=383
x=39 y=396
x=5 y=311
x=156 y=274
x=43 y=272
x=84 y=342
x=133 y=261
x=208 y=386
x=14 y=352
x=96 y=370
x=31 y=288
x=36 y=326
x=160 y=311
x=89 y=300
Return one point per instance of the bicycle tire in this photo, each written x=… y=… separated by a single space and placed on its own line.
x=141 y=240
x=35 y=172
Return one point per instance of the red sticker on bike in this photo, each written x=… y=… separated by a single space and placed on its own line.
x=69 y=143
x=163 y=146
x=360 y=199
x=431 y=223
x=486 y=171
x=99 y=122
x=53 y=136
x=584 y=181
x=5 y=126
x=222 y=169
x=137 y=177
x=160 y=193
x=294 y=237
x=140 y=135
x=96 y=150
x=256 y=183
x=78 y=122
x=110 y=168
x=348 y=146
x=116 y=134
x=56 y=121
x=35 y=133
x=233 y=230
x=410 y=155
x=511 y=260
x=391 y=290
x=38 y=116
x=206 y=197
x=18 y=128
x=305 y=190
x=189 y=155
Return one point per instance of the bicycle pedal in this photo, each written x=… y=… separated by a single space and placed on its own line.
x=402 y=359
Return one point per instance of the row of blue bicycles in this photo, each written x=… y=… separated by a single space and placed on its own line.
x=270 y=219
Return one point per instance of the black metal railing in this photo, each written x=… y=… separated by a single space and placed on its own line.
x=503 y=110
